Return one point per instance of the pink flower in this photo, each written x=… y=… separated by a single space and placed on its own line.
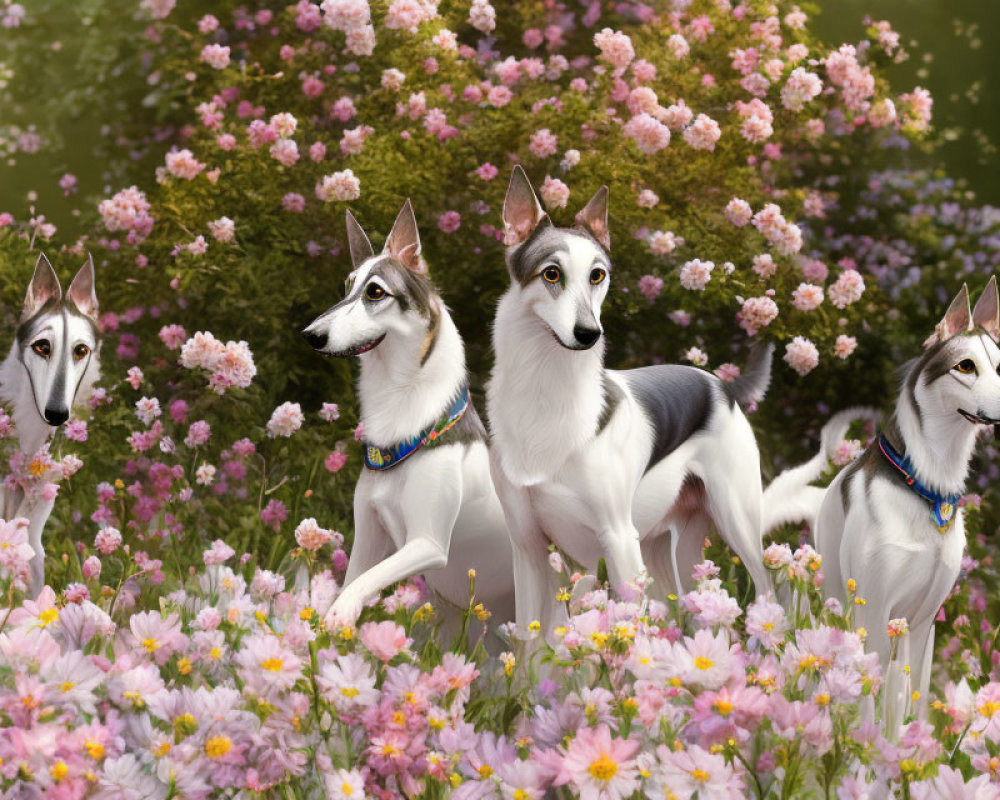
x=848 y=288
x=183 y=164
x=801 y=355
x=223 y=230
x=482 y=16
x=91 y=568
x=757 y=119
x=450 y=221
x=285 y=152
x=799 y=89
x=649 y=134
x=329 y=412
x=555 y=193
x=218 y=553
x=807 y=297
x=694 y=770
x=499 y=96
x=647 y=199
x=215 y=55
x=310 y=536
x=198 y=434
x=599 y=765
x=696 y=274
x=543 y=143
x=384 y=640
x=844 y=346
x=339 y=186
x=703 y=133
x=273 y=514
x=335 y=461
x=677 y=116
x=616 y=48
x=757 y=313
x=738 y=212
x=764 y=265
x=293 y=202
x=663 y=243
x=650 y=286
x=285 y=420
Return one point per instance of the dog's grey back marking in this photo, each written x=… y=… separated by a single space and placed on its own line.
x=613 y=395
x=934 y=363
x=678 y=401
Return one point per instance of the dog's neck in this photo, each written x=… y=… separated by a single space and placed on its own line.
x=405 y=388
x=19 y=402
x=543 y=400
x=939 y=446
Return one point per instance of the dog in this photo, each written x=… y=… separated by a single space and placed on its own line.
x=52 y=365
x=891 y=520
x=424 y=502
x=603 y=463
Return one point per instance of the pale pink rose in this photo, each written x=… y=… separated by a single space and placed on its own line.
x=801 y=355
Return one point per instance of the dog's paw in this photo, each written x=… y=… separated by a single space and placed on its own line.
x=344 y=613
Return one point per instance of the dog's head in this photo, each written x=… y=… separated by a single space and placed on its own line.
x=958 y=372
x=388 y=296
x=561 y=274
x=57 y=339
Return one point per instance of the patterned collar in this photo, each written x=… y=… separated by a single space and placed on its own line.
x=382 y=458
x=944 y=507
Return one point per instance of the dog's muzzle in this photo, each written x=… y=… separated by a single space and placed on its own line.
x=586 y=337
x=56 y=416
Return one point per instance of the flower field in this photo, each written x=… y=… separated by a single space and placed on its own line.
x=764 y=187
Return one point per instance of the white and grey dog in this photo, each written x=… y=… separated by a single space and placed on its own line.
x=605 y=463
x=52 y=365
x=891 y=519
x=425 y=502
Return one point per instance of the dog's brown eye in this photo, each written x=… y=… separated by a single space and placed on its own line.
x=551 y=275
x=374 y=292
x=80 y=351
x=42 y=347
x=597 y=275
x=966 y=366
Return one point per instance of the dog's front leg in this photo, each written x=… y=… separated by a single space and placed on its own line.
x=424 y=518
x=623 y=553
x=371 y=542
x=534 y=592
x=37 y=515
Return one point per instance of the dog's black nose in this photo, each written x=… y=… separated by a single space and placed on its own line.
x=586 y=336
x=56 y=416
x=317 y=340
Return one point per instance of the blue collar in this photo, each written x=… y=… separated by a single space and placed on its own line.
x=381 y=458
x=944 y=506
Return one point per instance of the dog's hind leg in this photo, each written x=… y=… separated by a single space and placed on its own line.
x=37 y=517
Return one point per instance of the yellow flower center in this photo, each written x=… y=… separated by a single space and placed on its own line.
x=349 y=691
x=399 y=718
x=823 y=699
x=185 y=724
x=162 y=749
x=94 y=749
x=989 y=708
x=520 y=794
x=307 y=613
x=272 y=664
x=604 y=769
x=134 y=697
x=48 y=616
x=346 y=789
x=703 y=663
x=218 y=746
x=700 y=775
x=184 y=665
x=67 y=685
x=486 y=770
x=38 y=468
x=215 y=653
x=390 y=750
x=59 y=771
x=724 y=707
x=151 y=644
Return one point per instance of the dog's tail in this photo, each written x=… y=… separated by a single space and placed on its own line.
x=751 y=386
x=789 y=497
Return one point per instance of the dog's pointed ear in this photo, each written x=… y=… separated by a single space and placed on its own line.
x=83 y=291
x=594 y=217
x=358 y=242
x=403 y=243
x=957 y=319
x=522 y=212
x=986 y=314
x=43 y=288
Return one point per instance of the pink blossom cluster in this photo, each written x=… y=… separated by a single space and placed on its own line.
x=230 y=364
x=785 y=236
x=128 y=211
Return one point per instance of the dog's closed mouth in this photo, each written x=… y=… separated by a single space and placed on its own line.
x=978 y=419
x=358 y=349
